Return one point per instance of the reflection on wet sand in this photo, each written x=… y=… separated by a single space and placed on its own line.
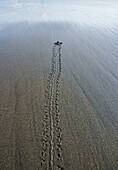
x=16 y=3
x=88 y=94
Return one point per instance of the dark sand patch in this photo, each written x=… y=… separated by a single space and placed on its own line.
x=88 y=95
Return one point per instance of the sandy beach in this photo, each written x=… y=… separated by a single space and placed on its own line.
x=81 y=101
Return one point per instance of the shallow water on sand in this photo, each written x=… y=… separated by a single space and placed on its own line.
x=88 y=84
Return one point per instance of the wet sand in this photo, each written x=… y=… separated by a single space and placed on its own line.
x=87 y=97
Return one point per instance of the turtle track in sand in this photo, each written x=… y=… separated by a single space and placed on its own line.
x=51 y=154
